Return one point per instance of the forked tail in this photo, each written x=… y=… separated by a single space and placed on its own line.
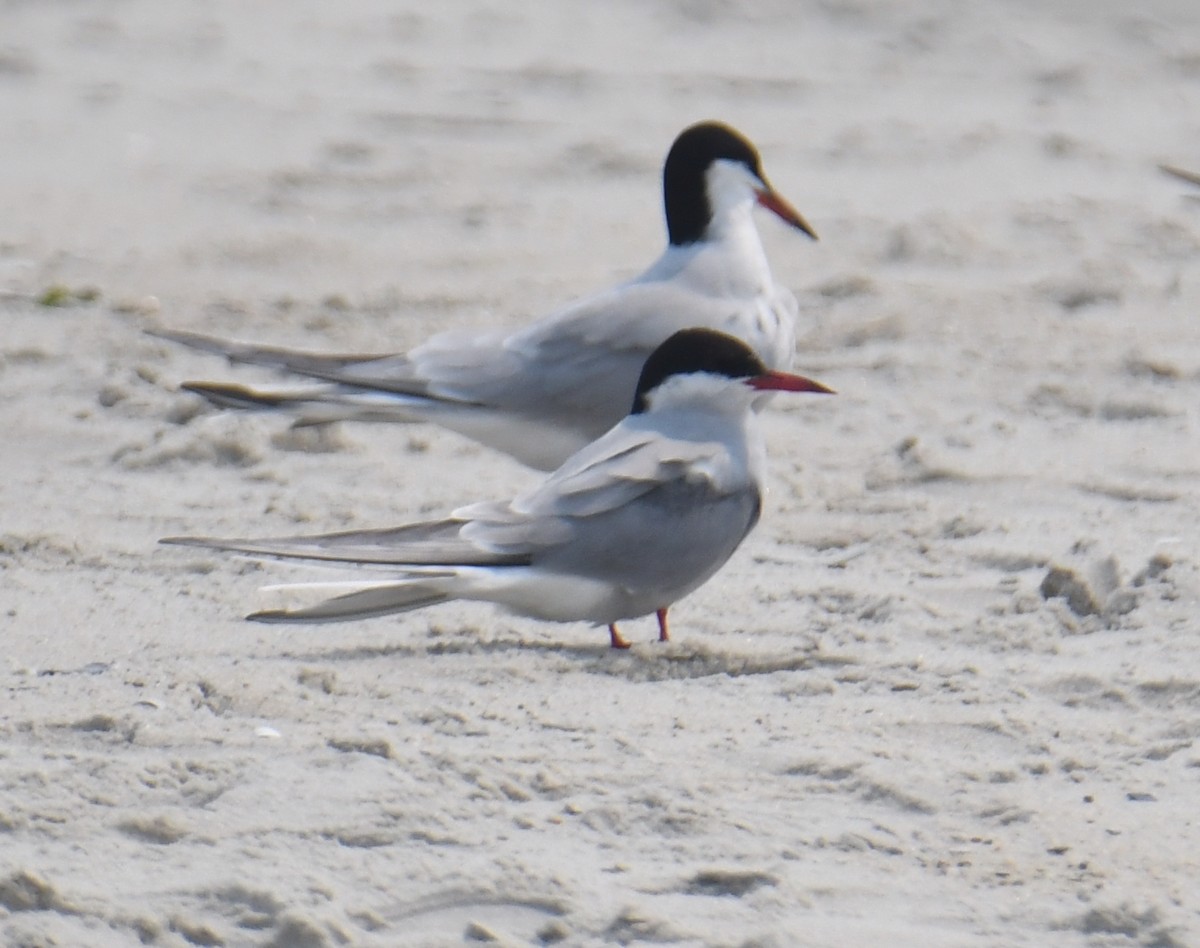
x=357 y=600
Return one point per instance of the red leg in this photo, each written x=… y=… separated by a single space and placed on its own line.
x=615 y=637
x=664 y=634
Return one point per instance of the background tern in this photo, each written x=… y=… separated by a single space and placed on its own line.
x=543 y=392
x=627 y=526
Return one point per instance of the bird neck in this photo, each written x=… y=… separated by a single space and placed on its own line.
x=730 y=261
x=703 y=394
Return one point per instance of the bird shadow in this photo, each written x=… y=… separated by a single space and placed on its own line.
x=651 y=661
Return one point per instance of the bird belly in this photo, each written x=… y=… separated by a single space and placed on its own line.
x=550 y=596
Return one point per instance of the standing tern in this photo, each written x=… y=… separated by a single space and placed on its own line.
x=541 y=393
x=627 y=526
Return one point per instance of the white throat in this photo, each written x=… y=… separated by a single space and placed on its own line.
x=714 y=395
x=743 y=268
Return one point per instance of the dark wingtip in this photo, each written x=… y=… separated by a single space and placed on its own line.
x=269 y=616
x=1191 y=177
x=232 y=395
x=183 y=541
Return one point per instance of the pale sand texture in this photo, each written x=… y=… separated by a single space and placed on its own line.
x=873 y=728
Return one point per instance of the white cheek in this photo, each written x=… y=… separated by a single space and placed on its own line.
x=730 y=183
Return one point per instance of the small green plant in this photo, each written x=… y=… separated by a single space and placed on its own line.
x=58 y=294
x=55 y=295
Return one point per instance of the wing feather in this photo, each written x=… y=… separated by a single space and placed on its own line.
x=436 y=543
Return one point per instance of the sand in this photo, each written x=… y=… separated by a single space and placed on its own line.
x=948 y=693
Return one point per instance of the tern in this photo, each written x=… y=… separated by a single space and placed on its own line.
x=543 y=392
x=626 y=527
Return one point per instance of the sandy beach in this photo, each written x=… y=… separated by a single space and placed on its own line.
x=946 y=694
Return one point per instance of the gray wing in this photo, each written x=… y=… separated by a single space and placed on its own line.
x=577 y=368
x=436 y=543
x=608 y=475
x=584 y=360
x=635 y=509
x=317 y=365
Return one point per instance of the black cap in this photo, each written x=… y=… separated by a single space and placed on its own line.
x=696 y=350
x=685 y=194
